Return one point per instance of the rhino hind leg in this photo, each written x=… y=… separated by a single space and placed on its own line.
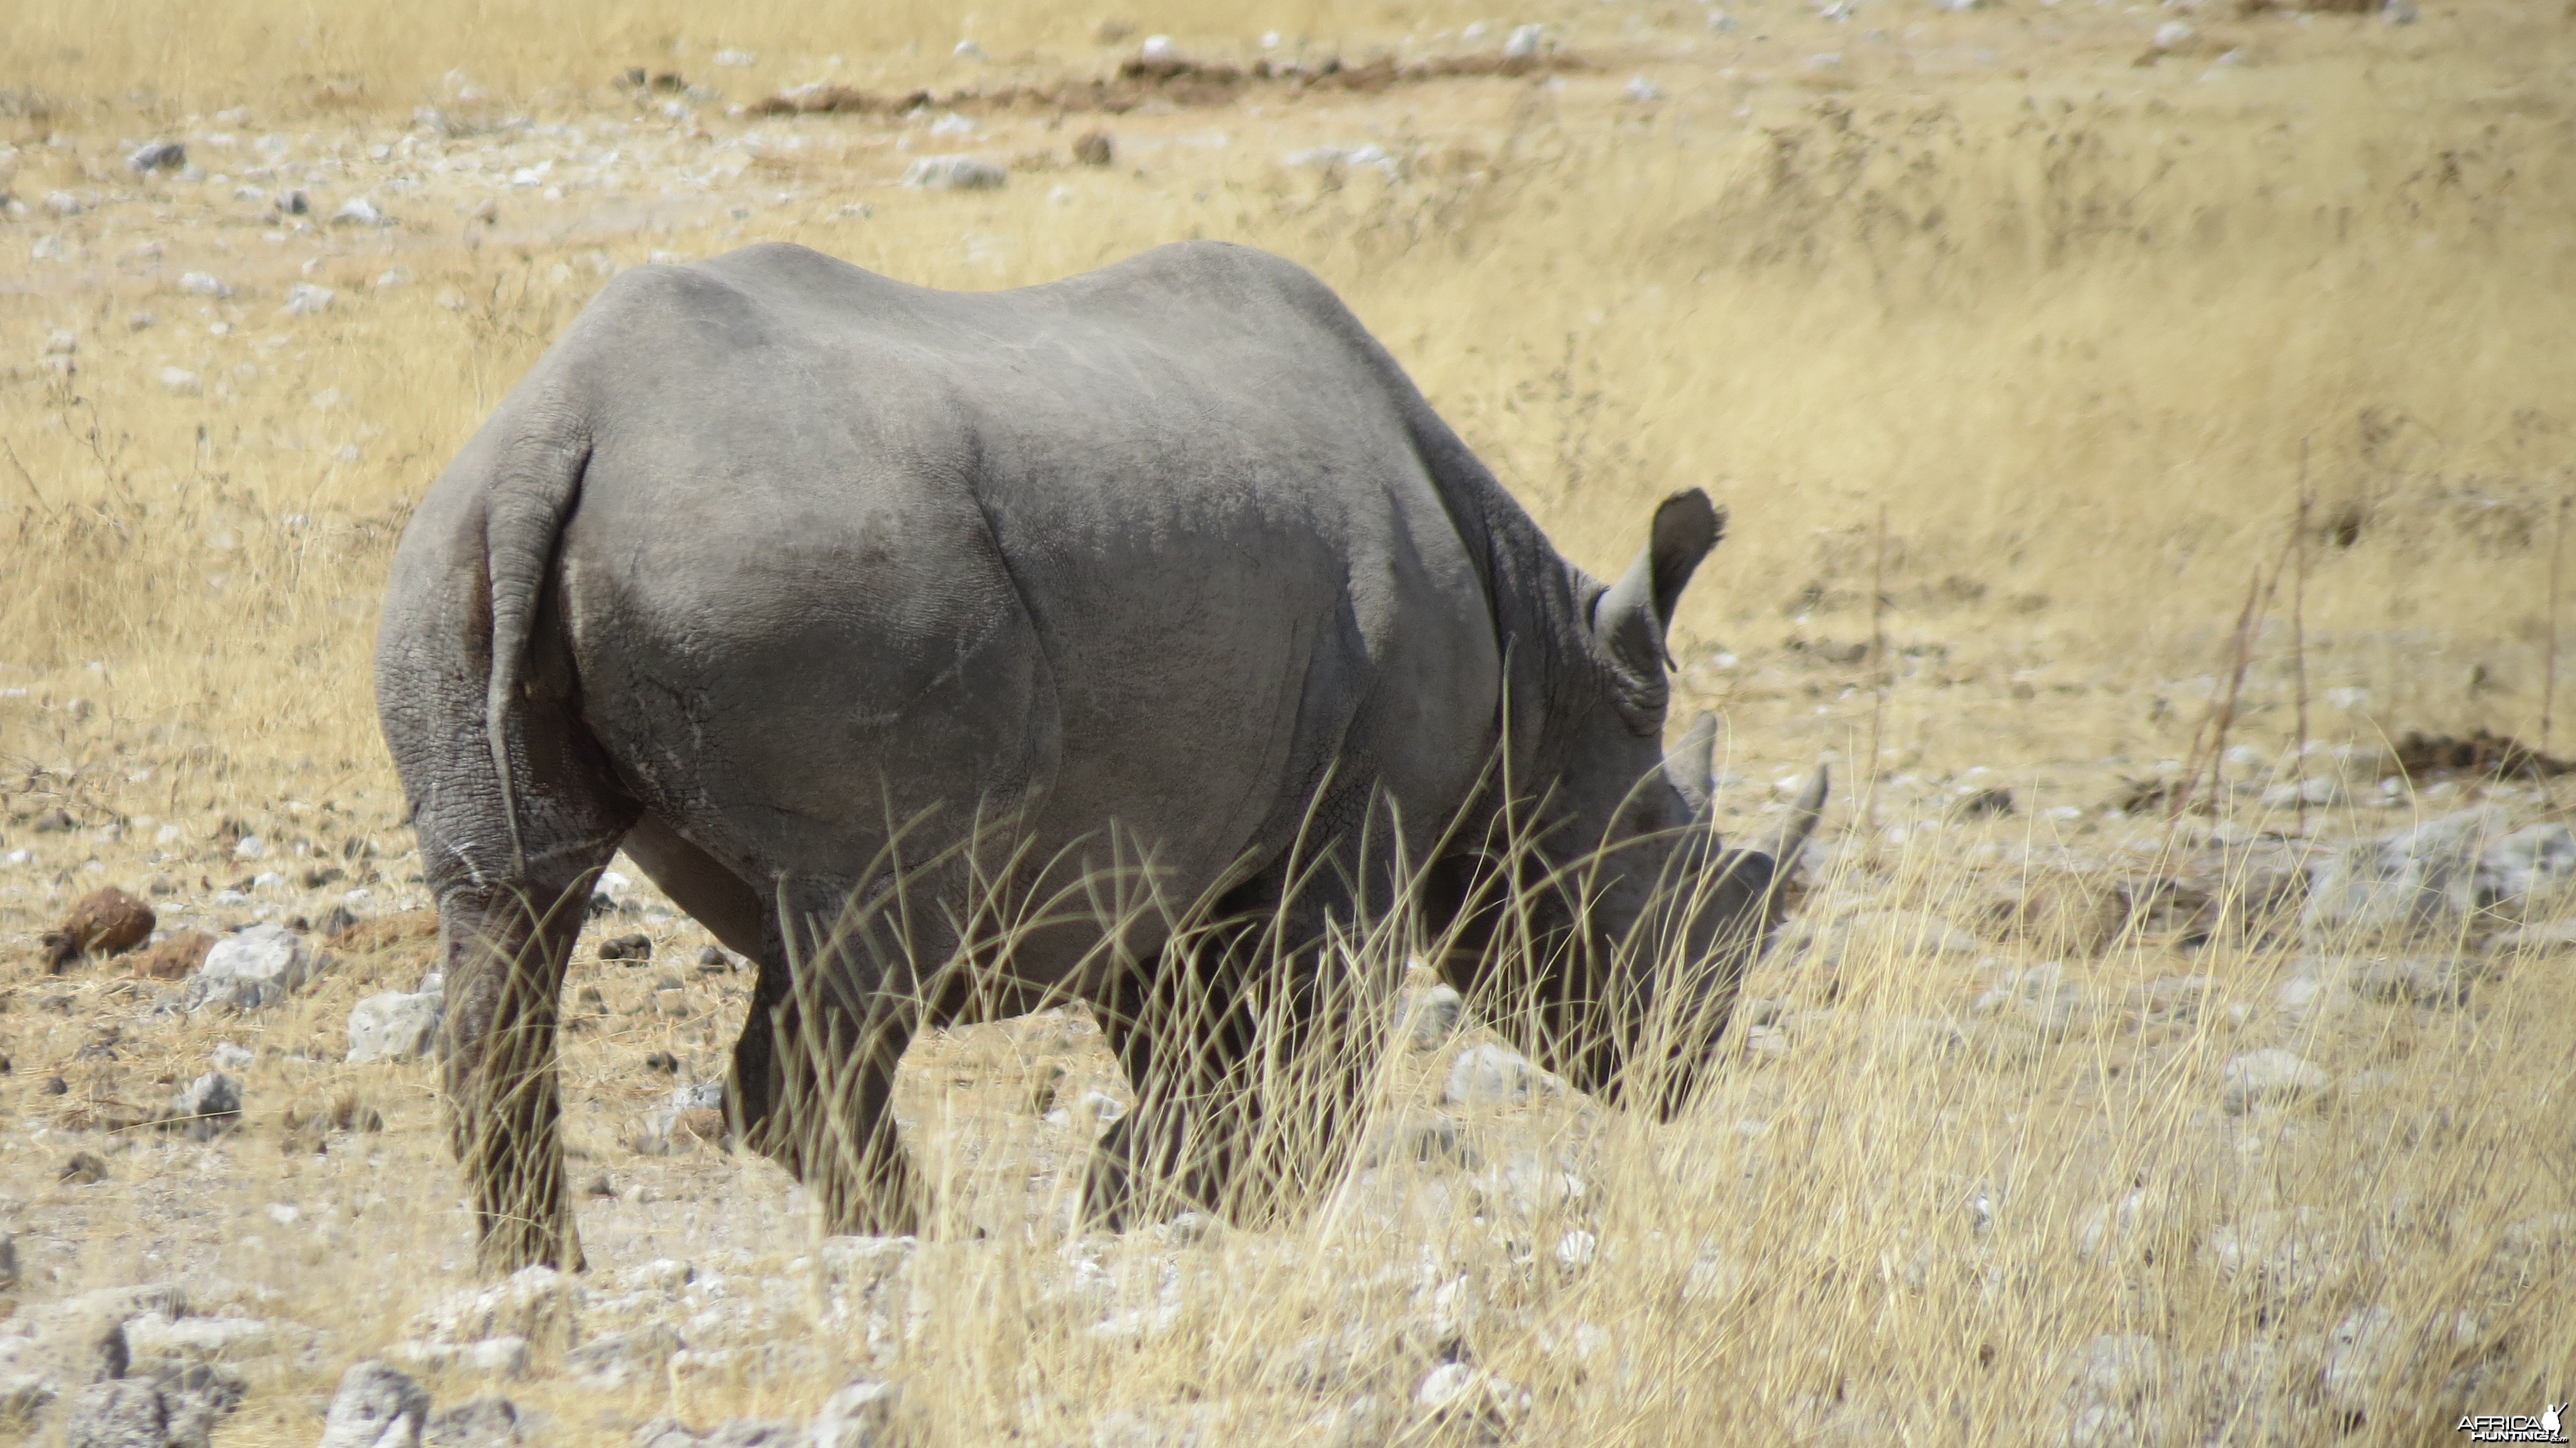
x=812 y=1084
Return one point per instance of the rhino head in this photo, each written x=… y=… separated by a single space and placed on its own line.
x=1638 y=921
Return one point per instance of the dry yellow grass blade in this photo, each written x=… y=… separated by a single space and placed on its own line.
x=2065 y=300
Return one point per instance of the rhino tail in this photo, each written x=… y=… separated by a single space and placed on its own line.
x=532 y=492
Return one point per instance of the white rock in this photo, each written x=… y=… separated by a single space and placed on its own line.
x=1431 y=1017
x=1490 y=1075
x=952 y=124
x=857 y=1415
x=954 y=173
x=250 y=847
x=359 y=211
x=2287 y=1252
x=2270 y=1078
x=2535 y=861
x=394 y=1026
x=211 y=1095
x=967 y=50
x=501 y=1357
x=1642 y=90
x=2442 y=981
x=61 y=344
x=2415 y=877
x=2399 y=12
x=1577 y=1248
x=229 y=1056
x=157 y=156
x=736 y=59
x=1157 y=47
x=2172 y=35
x=2040 y=994
x=1523 y=42
x=257 y=967
x=62 y=203
x=376 y=1407
x=180 y=382
x=2362 y=1359
x=152 y=1335
x=305 y=300
x=619 y=1358
x=201 y=284
x=2114 y=1227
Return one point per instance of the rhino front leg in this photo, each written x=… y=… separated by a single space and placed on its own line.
x=1248 y=1080
x=813 y=1074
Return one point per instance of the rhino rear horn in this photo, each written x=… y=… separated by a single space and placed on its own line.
x=1634 y=612
x=1691 y=765
x=1786 y=843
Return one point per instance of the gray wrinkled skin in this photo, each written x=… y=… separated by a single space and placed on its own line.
x=806 y=587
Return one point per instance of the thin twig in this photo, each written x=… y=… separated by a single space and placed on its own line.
x=2549 y=667
x=2299 y=633
x=27 y=477
x=1877 y=659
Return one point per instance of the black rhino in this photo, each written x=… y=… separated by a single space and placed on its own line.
x=802 y=586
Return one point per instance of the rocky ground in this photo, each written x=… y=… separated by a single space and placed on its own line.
x=2059 y=1114
x=232 y=1180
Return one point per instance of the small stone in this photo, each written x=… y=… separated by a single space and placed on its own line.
x=1642 y=90
x=1158 y=47
x=2417 y=982
x=2270 y=1078
x=83 y=1169
x=62 y=203
x=1523 y=42
x=157 y=156
x=489 y=1421
x=1431 y=1017
x=61 y=344
x=200 y=284
x=358 y=211
x=1094 y=148
x=713 y=961
x=394 y=1026
x=617 y=1358
x=2413 y=879
x=118 y=1413
x=306 y=300
x=637 y=948
x=859 y=1414
x=210 y=1096
x=1489 y=1075
x=256 y=968
x=2362 y=1360
x=2173 y=35
x=2556 y=935
x=229 y=1056
x=2400 y=12
x=24 y=1397
x=376 y=1407
x=955 y=173
x=2535 y=861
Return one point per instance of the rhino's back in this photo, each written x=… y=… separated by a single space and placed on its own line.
x=1151 y=545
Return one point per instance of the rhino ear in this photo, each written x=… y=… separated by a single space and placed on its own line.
x=1632 y=615
x=1691 y=764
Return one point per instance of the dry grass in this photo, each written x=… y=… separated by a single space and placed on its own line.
x=2068 y=319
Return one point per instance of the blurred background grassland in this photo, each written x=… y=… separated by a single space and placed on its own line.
x=2071 y=326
